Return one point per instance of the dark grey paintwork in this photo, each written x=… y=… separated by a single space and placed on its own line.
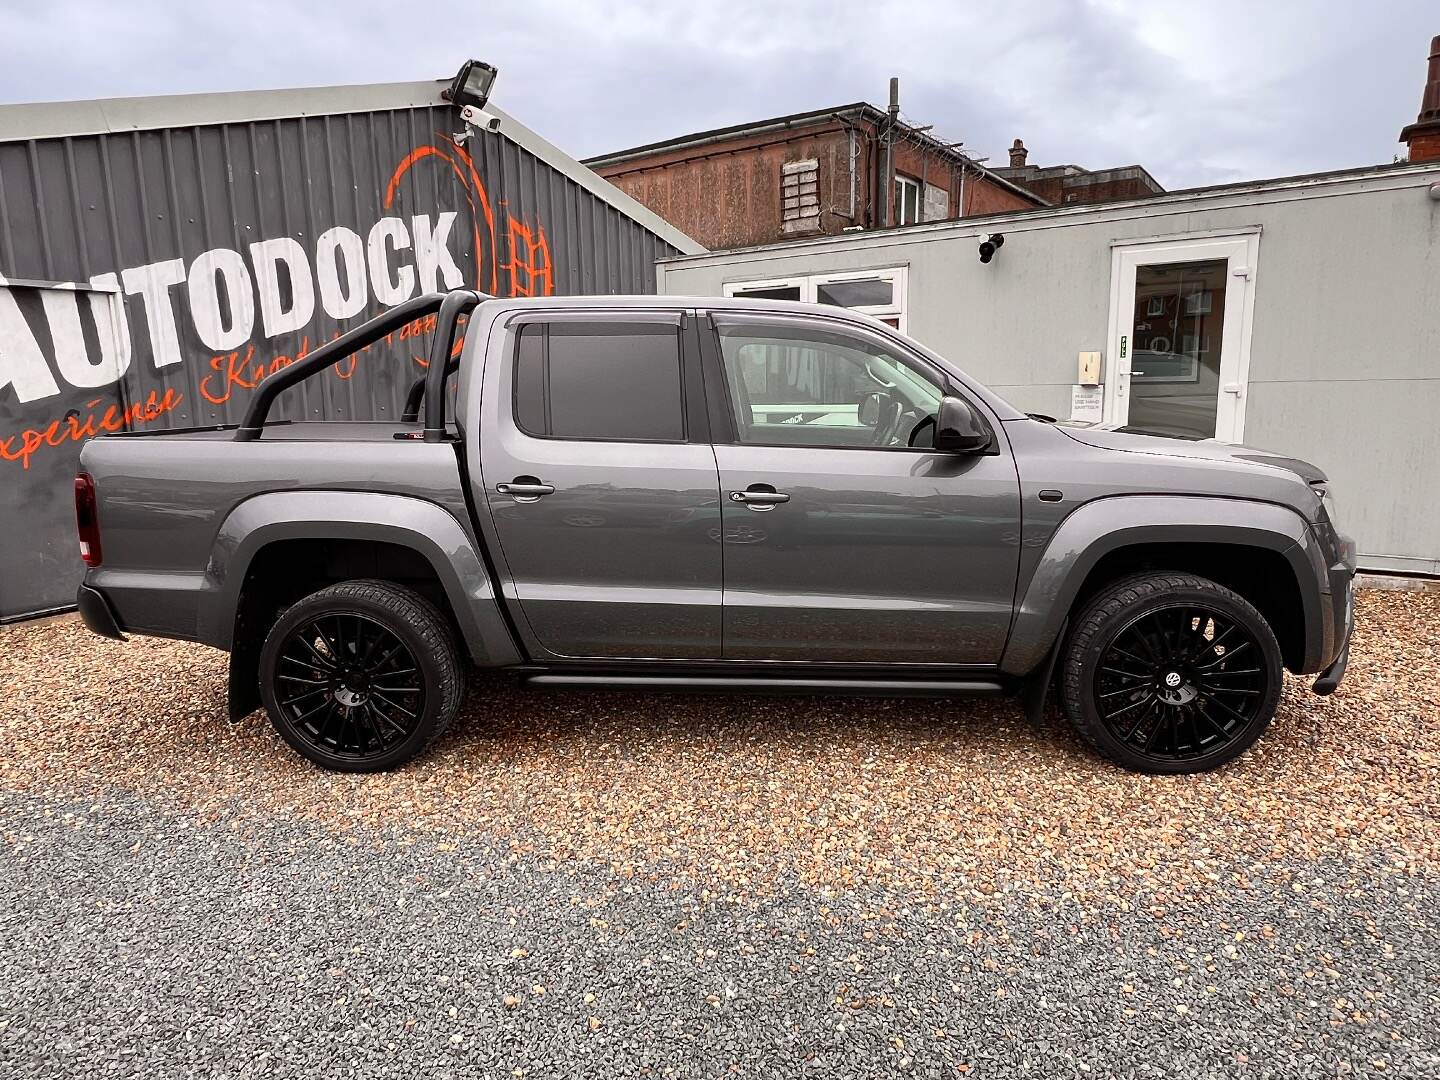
x=910 y=561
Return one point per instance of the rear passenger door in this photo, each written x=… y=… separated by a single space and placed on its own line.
x=602 y=486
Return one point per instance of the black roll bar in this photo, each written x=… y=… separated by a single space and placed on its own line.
x=457 y=303
x=329 y=355
x=450 y=306
x=416 y=394
x=411 y=414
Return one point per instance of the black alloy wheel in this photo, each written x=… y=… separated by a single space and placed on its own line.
x=349 y=685
x=1171 y=673
x=1180 y=682
x=361 y=676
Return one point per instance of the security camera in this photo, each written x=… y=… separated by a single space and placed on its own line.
x=991 y=244
x=479 y=118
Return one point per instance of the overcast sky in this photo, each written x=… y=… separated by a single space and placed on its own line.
x=1198 y=93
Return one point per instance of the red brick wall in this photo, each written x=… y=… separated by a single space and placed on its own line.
x=1425 y=147
x=727 y=195
x=984 y=197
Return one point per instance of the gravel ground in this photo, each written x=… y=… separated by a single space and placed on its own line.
x=605 y=883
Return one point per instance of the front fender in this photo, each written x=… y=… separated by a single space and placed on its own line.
x=422 y=526
x=1097 y=528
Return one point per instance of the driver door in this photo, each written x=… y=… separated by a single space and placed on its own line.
x=843 y=543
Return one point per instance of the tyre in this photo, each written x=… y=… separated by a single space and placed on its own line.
x=361 y=676
x=1170 y=673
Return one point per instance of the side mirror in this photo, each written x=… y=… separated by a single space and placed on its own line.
x=867 y=410
x=959 y=429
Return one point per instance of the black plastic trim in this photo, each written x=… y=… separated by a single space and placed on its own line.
x=773 y=684
x=96 y=613
x=1036 y=687
x=1329 y=679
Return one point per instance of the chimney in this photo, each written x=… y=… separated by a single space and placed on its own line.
x=1018 y=152
x=1423 y=136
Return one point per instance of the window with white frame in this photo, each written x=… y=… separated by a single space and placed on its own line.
x=880 y=292
x=907 y=201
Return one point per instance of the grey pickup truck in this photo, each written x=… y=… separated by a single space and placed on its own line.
x=665 y=492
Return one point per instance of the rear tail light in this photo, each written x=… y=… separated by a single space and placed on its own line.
x=87 y=520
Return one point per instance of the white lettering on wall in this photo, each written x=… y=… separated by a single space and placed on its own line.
x=207 y=273
x=22 y=364
x=113 y=329
x=341 y=301
x=389 y=288
x=433 y=260
x=225 y=293
x=267 y=255
x=62 y=312
x=153 y=284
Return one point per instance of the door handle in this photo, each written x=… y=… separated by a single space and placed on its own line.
x=759 y=497
x=525 y=489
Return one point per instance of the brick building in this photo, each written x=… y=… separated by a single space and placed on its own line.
x=1062 y=185
x=1423 y=136
x=810 y=174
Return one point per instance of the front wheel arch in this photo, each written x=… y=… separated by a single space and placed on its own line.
x=1113 y=533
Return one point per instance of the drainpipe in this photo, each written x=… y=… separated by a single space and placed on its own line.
x=889 y=181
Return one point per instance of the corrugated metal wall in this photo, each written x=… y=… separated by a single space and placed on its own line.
x=151 y=278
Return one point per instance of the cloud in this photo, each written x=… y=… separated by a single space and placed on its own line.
x=1228 y=90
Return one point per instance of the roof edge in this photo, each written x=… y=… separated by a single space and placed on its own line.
x=618 y=156
x=109 y=116
x=1404 y=175
x=862 y=109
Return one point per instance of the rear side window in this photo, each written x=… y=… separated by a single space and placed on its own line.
x=601 y=380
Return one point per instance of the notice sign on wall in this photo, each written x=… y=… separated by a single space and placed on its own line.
x=1087 y=403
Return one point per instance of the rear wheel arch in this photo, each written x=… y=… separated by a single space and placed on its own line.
x=276 y=548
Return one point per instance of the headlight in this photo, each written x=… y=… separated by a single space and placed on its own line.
x=1327 y=503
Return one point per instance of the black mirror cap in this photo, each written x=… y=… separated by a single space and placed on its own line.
x=471 y=85
x=959 y=429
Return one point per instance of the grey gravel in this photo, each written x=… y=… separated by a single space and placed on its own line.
x=137 y=940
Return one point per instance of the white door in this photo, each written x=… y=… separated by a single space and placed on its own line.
x=1180 y=313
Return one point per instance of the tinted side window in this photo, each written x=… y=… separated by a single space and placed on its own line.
x=530 y=380
x=793 y=384
x=577 y=380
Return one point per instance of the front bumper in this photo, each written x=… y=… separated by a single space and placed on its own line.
x=96 y=613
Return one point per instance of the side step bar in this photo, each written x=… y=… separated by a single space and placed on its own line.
x=763 y=685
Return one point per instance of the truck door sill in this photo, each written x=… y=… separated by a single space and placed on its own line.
x=757 y=684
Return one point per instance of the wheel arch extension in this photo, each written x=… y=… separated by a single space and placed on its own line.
x=1263 y=551
x=260 y=532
